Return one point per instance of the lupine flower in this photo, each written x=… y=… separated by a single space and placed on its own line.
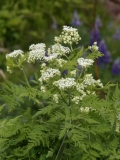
x=102 y=61
x=95 y=36
x=54 y=25
x=75 y=20
x=116 y=67
x=116 y=35
x=98 y=22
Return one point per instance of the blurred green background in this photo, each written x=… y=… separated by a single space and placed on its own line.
x=24 y=22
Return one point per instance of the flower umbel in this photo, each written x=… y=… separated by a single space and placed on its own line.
x=15 y=54
x=37 y=52
x=85 y=62
x=69 y=36
x=49 y=73
x=65 y=83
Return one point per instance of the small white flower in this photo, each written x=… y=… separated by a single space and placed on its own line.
x=69 y=35
x=36 y=55
x=76 y=100
x=42 y=88
x=59 y=49
x=94 y=47
x=51 y=57
x=15 y=54
x=85 y=62
x=37 y=46
x=65 y=83
x=43 y=65
x=61 y=62
x=89 y=80
x=49 y=73
x=9 y=70
x=85 y=109
x=73 y=73
x=56 y=98
x=37 y=52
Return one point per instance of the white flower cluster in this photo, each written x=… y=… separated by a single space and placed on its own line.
x=81 y=87
x=56 y=98
x=73 y=73
x=85 y=109
x=9 y=70
x=76 y=99
x=15 y=54
x=49 y=73
x=94 y=47
x=60 y=50
x=61 y=62
x=37 y=52
x=85 y=62
x=69 y=35
x=65 y=83
x=37 y=46
x=51 y=57
x=89 y=80
x=42 y=88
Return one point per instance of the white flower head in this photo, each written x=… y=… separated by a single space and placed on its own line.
x=59 y=49
x=85 y=109
x=49 y=73
x=69 y=35
x=76 y=99
x=42 y=88
x=61 y=62
x=51 y=57
x=85 y=62
x=36 y=55
x=37 y=46
x=37 y=52
x=89 y=80
x=15 y=54
x=65 y=83
x=73 y=73
x=94 y=47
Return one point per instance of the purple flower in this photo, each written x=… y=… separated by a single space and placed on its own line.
x=98 y=22
x=116 y=35
x=102 y=61
x=54 y=25
x=65 y=72
x=75 y=20
x=95 y=36
x=116 y=67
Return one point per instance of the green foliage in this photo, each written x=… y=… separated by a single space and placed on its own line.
x=48 y=123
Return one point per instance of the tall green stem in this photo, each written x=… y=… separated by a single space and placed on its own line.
x=26 y=80
x=63 y=145
x=61 y=149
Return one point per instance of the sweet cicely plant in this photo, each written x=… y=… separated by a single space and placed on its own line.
x=61 y=115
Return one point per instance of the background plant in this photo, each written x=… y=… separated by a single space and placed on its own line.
x=64 y=113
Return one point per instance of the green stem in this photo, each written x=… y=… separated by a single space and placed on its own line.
x=26 y=80
x=61 y=95
x=61 y=149
x=71 y=47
